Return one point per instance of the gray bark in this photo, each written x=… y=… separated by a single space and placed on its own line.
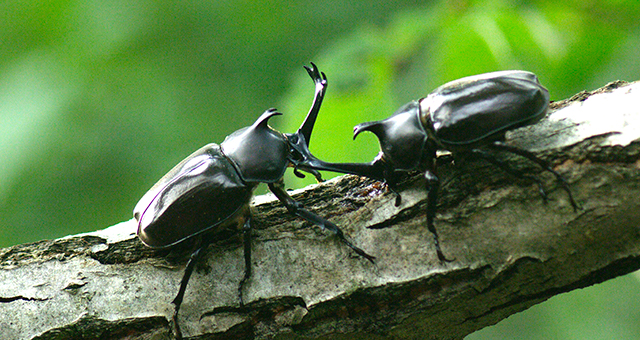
x=511 y=251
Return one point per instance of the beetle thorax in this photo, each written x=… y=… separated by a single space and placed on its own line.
x=402 y=138
x=259 y=153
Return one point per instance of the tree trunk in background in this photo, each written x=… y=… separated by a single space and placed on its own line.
x=511 y=251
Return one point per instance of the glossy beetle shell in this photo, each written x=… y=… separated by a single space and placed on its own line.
x=201 y=192
x=474 y=109
x=459 y=115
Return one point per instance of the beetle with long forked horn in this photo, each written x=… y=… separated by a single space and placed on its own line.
x=468 y=117
x=208 y=193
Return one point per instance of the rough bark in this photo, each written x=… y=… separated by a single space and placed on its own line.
x=511 y=251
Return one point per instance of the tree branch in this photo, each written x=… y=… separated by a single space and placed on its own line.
x=511 y=251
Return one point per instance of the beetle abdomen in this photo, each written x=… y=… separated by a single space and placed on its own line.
x=474 y=109
x=200 y=193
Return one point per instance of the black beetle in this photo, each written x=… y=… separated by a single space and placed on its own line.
x=209 y=192
x=468 y=117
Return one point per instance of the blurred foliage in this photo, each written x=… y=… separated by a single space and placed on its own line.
x=98 y=99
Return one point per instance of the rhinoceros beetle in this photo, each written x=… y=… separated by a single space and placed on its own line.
x=209 y=192
x=468 y=117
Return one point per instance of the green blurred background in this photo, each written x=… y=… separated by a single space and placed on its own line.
x=98 y=99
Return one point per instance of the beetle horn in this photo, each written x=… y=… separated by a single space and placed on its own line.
x=320 y=80
x=312 y=164
x=263 y=120
x=375 y=127
x=299 y=141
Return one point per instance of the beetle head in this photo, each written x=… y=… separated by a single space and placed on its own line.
x=402 y=137
x=258 y=151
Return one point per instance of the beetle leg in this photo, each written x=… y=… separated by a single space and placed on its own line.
x=432 y=186
x=177 y=301
x=542 y=163
x=296 y=208
x=506 y=168
x=393 y=190
x=390 y=179
x=246 y=239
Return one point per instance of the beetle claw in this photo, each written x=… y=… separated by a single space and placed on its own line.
x=398 y=200
x=176 y=326
x=317 y=175
x=298 y=173
x=442 y=258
